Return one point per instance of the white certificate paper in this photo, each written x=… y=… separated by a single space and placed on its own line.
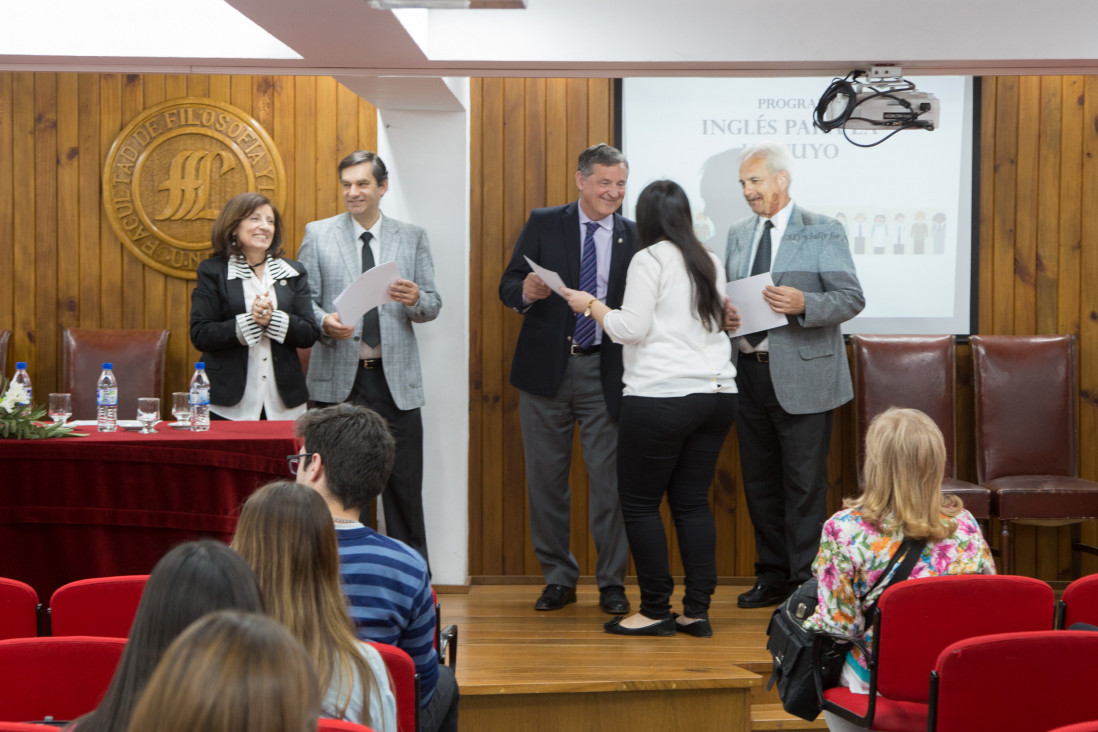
x=547 y=276
x=755 y=315
x=369 y=290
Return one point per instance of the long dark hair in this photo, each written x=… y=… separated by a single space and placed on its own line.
x=191 y=580
x=663 y=213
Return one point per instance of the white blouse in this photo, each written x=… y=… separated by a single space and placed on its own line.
x=666 y=349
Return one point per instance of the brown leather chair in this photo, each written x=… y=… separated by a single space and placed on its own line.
x=1027 y=439
x=5 y=336
x=138 y=358
x=916 y=372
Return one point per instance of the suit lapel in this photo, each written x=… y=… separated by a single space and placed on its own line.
x=569 y=222
x=349 y=246
x=617 y=262
x=792 y=242
x=743 y=238
x=390 y=240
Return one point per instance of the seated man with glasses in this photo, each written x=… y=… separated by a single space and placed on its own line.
x=346 y=456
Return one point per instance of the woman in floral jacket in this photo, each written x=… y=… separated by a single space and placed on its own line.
x=904 y=464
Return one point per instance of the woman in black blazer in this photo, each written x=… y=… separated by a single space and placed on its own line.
x=250 y=312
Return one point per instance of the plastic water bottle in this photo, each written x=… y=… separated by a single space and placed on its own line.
x=106 y=400
x=200 y=399
x=22 y=377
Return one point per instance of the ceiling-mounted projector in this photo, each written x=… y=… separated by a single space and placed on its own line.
x=879 y=100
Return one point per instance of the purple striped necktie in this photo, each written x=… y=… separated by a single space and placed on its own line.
x=584 y=337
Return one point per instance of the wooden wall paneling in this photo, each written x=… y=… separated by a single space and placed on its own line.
x=560 y=156
x=45 y=231
x=516 y=151
x=156 y=302
x=478 y=475
x=68 y=213
x=198 y=85
x=346 y=134
x=1088 y=297
x=1006 y=144
x=984 y=235
x=1046 y=200
x=367 y=126
x=1069 y=205
x=219 y=86
x=133 y=269
x=110 y=248
x=327 y=187
x=91 y=206
x=240 y=92
x=303 y=151
x=284 y=134
x=24 y=241
x=7 y=240
x=490 y=557
x=181 y=355
x=538 y=128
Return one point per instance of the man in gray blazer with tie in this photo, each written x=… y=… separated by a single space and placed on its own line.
x=374 y=362
x=789 y=378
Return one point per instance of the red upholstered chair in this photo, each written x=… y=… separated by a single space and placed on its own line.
x=916 y=619
x=138 y=358
x=336 y=725
x=25 y=727
x=915 y=372
x=18 y=609
x=102 y=606
x=405 y=685
x=1091 y=726
x=58 y=678
x=1027 y=439
x=1022 y=682
x=1079 y=603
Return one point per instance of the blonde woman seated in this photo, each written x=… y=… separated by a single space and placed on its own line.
x=286 y=534
x=904 y=464
x=230 y=672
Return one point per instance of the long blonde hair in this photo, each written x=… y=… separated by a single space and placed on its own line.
x=230 y=671
x=286 y=534
x=904 y=463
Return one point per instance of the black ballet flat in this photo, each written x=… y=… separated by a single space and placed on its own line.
x=665 y=627
x=699 y=628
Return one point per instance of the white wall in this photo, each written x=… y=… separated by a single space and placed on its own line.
x=427 y=154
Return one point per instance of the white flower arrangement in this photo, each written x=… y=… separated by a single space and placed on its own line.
x=19 y=418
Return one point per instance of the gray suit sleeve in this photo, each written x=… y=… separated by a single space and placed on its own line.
x=842 y=297
x=309 y=258
x=430 y=302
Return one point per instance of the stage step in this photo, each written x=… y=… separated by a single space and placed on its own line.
x=771 y=716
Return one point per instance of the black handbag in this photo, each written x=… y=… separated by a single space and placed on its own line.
x=792 y=646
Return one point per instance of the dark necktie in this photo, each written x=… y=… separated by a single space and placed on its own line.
x=584 y=336
x=371 y=329
x=761 y=264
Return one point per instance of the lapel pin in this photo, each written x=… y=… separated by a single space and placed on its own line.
x=620 y=240
x=282 y=282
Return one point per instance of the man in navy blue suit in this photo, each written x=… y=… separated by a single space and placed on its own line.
x=568 y=371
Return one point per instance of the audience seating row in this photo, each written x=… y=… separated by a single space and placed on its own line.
x=102 y=606
x=976 y=633
x=1026 y=435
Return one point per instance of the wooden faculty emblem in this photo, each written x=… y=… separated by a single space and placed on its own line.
x=173 y=168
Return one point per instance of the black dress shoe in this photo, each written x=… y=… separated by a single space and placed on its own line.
x=663 y=627
x=554 y=597
x=612 y=600
x=762 y=595
x=697 y=628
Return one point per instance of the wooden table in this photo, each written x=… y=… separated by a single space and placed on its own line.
x=113 y=503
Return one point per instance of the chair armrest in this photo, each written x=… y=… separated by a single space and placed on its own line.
x=448 y=646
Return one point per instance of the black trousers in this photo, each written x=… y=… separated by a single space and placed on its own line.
x=784 y=461
x=670 y=445
x=403 y=496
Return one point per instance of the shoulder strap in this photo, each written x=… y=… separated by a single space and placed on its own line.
x=910 y=551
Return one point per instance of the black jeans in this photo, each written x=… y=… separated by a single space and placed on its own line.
x=671 y=445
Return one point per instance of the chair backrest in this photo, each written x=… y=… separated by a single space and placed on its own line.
x=18 y=609
x=5 y=337
x=405 y=685
x=61 y=678
x=910 y=371
x=25 y=727
x=1089 y=726
x=138 y=358
x=920 y=617
x=336 y=725
x=1025 y=405
x=101 y=606
x=1079 y=603
x=1022 y=682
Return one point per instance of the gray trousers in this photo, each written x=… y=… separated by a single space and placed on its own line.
x=547 y=424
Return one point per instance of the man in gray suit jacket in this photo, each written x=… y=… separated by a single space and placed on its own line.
x=374 y=362
x=789 y=378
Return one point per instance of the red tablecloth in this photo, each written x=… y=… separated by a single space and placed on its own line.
x=109 y=504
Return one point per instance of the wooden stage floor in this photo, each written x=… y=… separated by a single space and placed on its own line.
x=519 y=669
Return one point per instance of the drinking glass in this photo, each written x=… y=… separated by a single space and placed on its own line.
x=148 y=414
x=60 y=408
x=181 y=408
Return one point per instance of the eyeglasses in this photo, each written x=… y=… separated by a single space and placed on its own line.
x=301 y=458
